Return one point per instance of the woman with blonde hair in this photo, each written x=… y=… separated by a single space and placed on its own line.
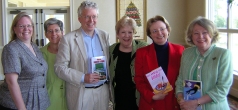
x=25 y=69
x=122 y=71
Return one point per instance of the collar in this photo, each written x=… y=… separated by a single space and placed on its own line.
x=161 y=47
x=86 y=35
x=207 y=52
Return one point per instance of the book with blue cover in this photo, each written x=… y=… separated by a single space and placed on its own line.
x=192 y=90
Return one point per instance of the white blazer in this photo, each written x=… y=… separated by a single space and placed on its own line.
x=71 y=64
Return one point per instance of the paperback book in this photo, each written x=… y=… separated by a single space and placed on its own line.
x=99 y=66
x=158 y=81
x=192 y=90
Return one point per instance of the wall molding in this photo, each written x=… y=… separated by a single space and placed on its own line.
x=234 y=92
x=4 y=23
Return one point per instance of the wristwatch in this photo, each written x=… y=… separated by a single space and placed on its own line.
x=198 y=102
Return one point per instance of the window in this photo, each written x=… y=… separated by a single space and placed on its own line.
x=224 y=14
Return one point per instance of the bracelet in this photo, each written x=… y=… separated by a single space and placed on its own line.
x=198 y=102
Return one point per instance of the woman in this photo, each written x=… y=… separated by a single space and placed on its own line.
x=160 y=53
x=206 y=63
x=24 y=68
x=55 y=86
x=122 y=56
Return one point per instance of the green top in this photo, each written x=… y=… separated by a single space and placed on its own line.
x=214 y=68
x=55 y=85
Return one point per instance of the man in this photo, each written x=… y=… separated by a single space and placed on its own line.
x=84 y=90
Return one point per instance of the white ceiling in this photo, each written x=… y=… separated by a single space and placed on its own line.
x=37 y=3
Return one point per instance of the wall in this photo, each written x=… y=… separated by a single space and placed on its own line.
x=1 y=25
x=234 y=88
x=1 y=73
x=174 y=12
x=1 y=69
x=176 y=16
x=194 y=9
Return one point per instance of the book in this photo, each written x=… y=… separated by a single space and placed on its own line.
x=192 y=90
x=99 y=66
x=158 y=81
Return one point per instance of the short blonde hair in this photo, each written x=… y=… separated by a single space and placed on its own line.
x=126 y=21
x=155 y=19
x=205 y=23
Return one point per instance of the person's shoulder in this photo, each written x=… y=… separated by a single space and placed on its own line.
x=221 y=50
x=11 y=45
x=72 y=33
x=113 y=45
x=101 y=31
x=140 y=43
x=189 y=50
x=43 y=49
x=145 y=48
x=176 y=45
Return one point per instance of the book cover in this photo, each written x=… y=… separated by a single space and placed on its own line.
x=192 y=90
x=158 y=81
x=99 y=66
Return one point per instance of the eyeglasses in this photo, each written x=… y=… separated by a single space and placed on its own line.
x=158 y=30
x=51 y=31
x=90 y=17
x=24 y=26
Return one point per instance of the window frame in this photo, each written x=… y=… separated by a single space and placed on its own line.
x=228 y=30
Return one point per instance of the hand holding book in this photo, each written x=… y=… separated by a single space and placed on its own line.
x=99 y=66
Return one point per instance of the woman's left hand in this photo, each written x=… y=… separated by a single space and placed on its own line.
x=188 y=105
x=159 y=96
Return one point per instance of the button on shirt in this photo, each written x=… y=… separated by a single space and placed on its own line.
x=93 y=48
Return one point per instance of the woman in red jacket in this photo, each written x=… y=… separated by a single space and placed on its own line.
x=160 y=53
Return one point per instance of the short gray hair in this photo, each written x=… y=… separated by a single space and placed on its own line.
x=52 y=21
x=87 y=4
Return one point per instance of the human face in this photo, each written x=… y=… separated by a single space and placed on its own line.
x=159 y=33
x=53 y=33
x=125 y=36
x=88 y=20
x=201 y=38
x=24 y=29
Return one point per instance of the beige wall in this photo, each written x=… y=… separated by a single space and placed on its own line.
x=234 y=88
x=1 y=25
x=178 y=12
x=194 y=9
x=176 y=16
x=174 y=12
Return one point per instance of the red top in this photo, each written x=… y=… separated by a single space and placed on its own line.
x=145 y=62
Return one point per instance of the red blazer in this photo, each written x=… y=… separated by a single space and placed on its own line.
x=146 y=61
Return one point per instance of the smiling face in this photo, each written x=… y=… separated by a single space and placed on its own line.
x=88 y=20
x=125 y=36
x=54 y=34
x=24 y=29
x=159 y=33
x=201 y=38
